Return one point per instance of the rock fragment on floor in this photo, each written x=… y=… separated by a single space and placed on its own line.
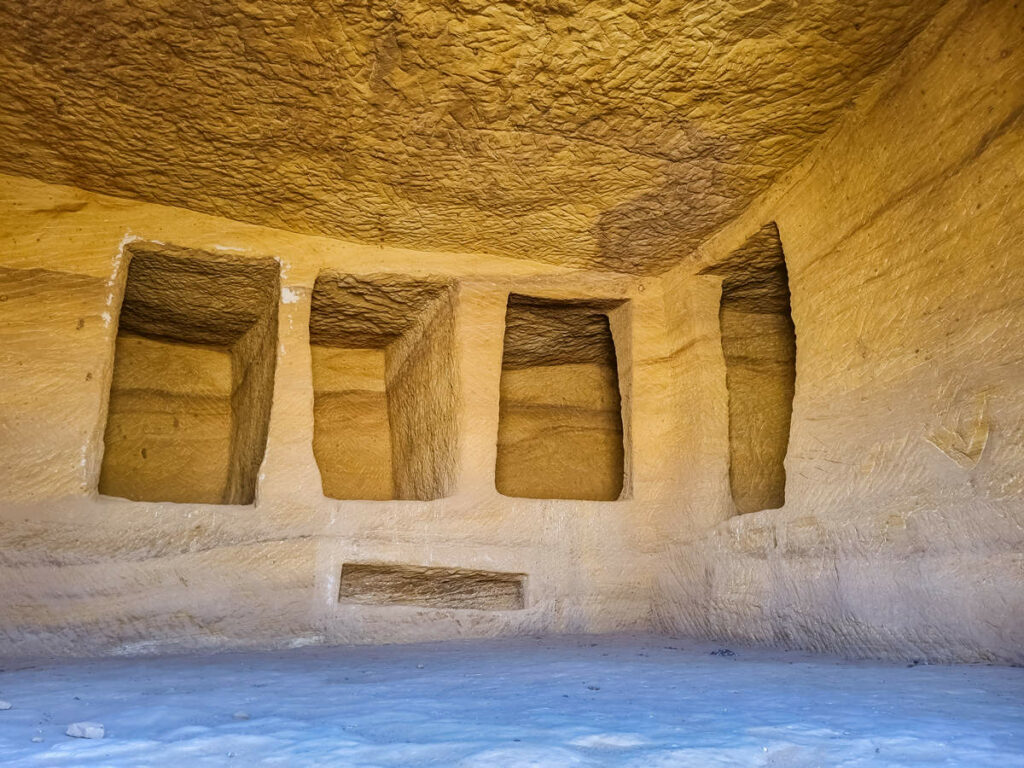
x=86 y=730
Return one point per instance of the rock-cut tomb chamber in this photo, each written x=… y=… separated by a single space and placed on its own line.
x=332 y=323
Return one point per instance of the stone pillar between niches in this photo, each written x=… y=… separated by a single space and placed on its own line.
x=696 y=367
x=649 y=419
x=289 y=476
x=479 y=330
x=621 y=326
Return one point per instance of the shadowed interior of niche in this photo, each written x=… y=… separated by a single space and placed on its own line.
x=560 y=433
x=384 y=386
x=376 y=584
x=759 y=344
x=193 y=377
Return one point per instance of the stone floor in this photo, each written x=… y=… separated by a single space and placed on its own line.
x=645 y=702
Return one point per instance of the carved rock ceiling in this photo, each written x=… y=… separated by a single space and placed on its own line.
x=609 y=135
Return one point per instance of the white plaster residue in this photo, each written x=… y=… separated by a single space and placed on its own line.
x=128 y=239
x=115 y=265
x=137 y=648
x=107 y=318
x=290 y=295
x=334 y=584
x=229 y=248
x=302 y=642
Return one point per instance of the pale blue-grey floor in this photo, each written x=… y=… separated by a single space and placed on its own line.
x=582 y=701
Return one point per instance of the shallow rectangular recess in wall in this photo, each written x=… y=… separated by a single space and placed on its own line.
x=376 y=584
x=560 y=432
x=759 y=344
x=193 y=377
x=384 y=386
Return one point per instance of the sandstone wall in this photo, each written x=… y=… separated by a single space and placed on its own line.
x=900 y=526
x=168 y=421
x=560 y=424
x=86 y=572
x=903 y=235
x=423 y=392
x=352 y=433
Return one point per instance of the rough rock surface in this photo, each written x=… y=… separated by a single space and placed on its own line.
x=193 y=377
x=368 y=312
x=196 y=297
x=384 y=423
x=759 y=347
x=168 y=433
x=904 y=240
x=541 y=332
x=560 y=430
x=592 y=133
x=351 y=428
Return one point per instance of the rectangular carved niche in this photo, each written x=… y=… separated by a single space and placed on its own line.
x=193 y=377
x=374 y=584
x=560 y=432
x=383 y=386
x=759 y=344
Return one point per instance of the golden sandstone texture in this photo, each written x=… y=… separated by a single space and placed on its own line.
x=560 y=422
x=196 y=344
x=383 y=381
x=753 y=373
x=610 y=135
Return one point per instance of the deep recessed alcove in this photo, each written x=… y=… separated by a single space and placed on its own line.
x=193 y=377
x=560 y=432
x=384 y=386
x=759 y=345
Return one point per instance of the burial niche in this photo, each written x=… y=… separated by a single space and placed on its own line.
x=193 y=377
x=384 y=397
x=387 y=584
x=759 y=344
x=560 y=430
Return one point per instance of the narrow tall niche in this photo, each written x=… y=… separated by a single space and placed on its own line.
x=560 y=432
x=759 y=343
x=193 y=377
x=384 y=386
